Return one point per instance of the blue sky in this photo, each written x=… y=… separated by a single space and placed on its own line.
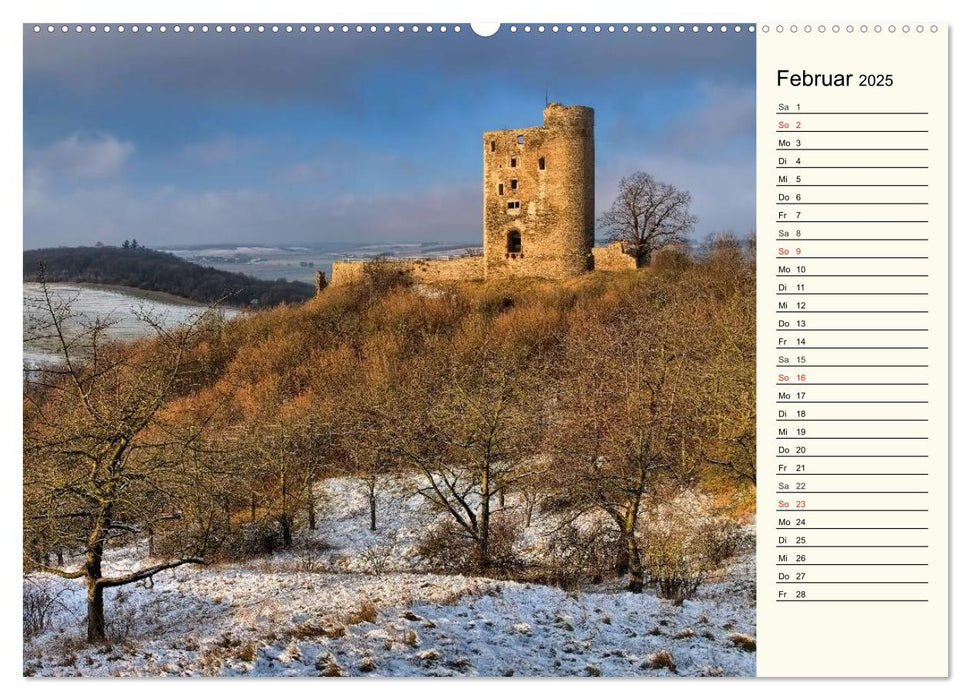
x=268 y=138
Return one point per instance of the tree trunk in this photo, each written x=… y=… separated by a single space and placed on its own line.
x=96 y=597
x=151 y=542
x=311 y=512
x=285 y=520
x=287 y=528
x=643 y=252
x=530 y=503
x=373 y=502
x=252 y=508
x=96 y=613
x=93 y=557
x=635 y=570
x=484 y=515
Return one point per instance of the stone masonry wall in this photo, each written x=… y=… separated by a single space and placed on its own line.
x=538 y=184
x=468 y=267
x=537 y=207
x=613 y=257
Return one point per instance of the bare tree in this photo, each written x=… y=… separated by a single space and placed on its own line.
x=619 y=436
x=367 y=435
x=470 y=429
x=727 y=278
x=286 y=457
x=648 y=214
x=103 y=457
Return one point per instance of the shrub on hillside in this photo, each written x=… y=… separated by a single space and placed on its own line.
x=447 y=548
x=574 y=553
x=254 y=539
x=683 y=544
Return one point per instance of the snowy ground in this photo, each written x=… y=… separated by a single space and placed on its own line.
x=355 y=608
x=122 y=310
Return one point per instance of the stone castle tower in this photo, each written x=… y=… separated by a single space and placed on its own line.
x=537 y=209
x=537 y=196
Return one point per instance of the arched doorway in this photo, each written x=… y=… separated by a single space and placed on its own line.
x=514 y=242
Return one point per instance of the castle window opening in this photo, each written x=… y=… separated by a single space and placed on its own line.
x=521 y=139
x=500 y=188
x=493 y=147
x=514 y=243
x=512 y=162
x=513 y=204
x=514 y=184
x=542 y=163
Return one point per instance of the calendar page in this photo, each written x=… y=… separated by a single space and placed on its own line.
x=852 y=379
x=436 y=349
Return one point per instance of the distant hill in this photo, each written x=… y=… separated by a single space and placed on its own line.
x=152 y=270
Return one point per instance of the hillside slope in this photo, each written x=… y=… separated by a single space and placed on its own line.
x=152 y=270
x=354 y=602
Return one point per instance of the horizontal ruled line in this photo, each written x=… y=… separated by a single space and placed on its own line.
x=847 y=184
x=855 y=204
x=844 y=564
x=852 y=528
x=853 y=600
x=852 y=546
x=852 y=167
x=853 y=437
x=888 y=275
x=800 y=240
x=851 y=510
x=851 y=294
x=916 y=114
x=852 y=221
x=802 y=474
x=854 y=311
x=803 y=148
x=851 y=131
x=854 y=330
x=817 y=583
x=851 y=383
x=854 y=456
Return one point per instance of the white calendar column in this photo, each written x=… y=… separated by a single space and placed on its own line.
x=852 y=359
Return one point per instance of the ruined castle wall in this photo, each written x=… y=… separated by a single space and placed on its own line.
x=613 y=257
x=469 y=267
x=537 y=207
x=345 y=272
x=538 y=186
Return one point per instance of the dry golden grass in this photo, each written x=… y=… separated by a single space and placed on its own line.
x=660 y=659
x=366 y=612
x=745 y=642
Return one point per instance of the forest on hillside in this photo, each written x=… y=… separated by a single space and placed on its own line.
x=598 y=401
x=153 y=270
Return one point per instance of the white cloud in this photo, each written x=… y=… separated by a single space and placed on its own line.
x=220 y=149
x=169 y=216
x=79 y=157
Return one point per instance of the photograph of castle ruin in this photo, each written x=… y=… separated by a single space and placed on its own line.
x=388 y=351
x=529 y=207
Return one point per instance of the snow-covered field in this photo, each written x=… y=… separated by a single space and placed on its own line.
x=360 y=607
x=121 y=310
